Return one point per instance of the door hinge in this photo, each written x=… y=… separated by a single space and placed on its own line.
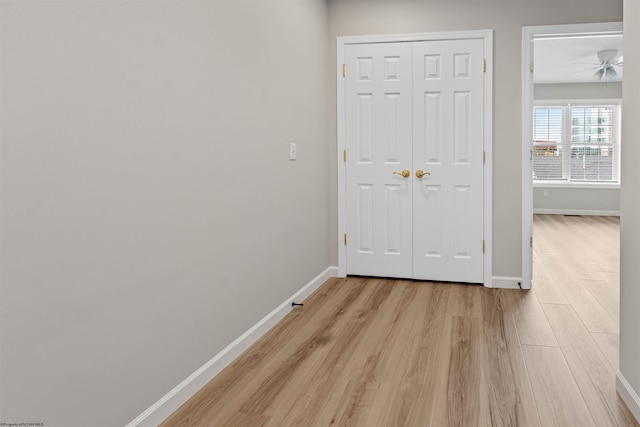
x=484 y=65
x=531 y=67
x=345 y=239
x=483 y=246
x=344 y=155
x=344 y=70
x=530 y=242
x=484 y=157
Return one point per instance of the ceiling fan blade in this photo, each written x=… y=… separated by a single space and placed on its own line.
x=584 y=70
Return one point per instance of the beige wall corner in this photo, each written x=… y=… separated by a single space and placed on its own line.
x=630 y=208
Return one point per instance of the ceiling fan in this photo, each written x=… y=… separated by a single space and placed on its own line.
x=608 y=60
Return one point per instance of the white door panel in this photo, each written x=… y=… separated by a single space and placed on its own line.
x=448 y=144
x=378 y=135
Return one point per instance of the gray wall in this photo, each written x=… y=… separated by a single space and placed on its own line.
x=360 y=17
x=150 y=214
x=630 y=203
x=572 y=200
x=596 y=90
x=583 y=201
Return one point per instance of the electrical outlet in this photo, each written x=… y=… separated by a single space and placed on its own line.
x=292 y=151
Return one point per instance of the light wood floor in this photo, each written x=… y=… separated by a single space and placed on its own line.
x=376 y=352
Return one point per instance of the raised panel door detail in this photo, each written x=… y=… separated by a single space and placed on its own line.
x=393 y=223
x=433 y=220
x=392 y=68
x=365 y=127
x=461 y=127
x=392 y=133
x=461 y=205
x=431 y=67
x=461 y=65
x=432 y=125
x=365 y=216
x=365 y=69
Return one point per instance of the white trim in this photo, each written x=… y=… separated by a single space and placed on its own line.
x=528 y=35
x=628 y=394
x=488 y=165
x=487 y=37
x=565 y=184
x=342 y=165
x=575 y=212
x=413 y=37
x=576 y=102
x=171 y=401
x=527 y=153
x=507 y=282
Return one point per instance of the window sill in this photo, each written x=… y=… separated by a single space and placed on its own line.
x=564 y=184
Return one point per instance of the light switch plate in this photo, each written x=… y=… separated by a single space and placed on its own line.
x=292 y=151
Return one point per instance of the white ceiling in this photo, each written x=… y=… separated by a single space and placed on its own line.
x=572 y=59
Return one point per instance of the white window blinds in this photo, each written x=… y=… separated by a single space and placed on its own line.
x=548 y=143
x=576 y=143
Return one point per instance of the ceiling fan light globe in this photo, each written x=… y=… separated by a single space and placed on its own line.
x=598 y=74
x=610 y=73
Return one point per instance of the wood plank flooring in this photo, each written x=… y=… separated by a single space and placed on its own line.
x=383 y=352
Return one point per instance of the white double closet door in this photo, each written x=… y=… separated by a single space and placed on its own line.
x=415 y=106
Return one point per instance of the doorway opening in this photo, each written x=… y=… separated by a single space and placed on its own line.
x=556 y=163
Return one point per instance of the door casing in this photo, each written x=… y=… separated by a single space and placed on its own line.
x=487 y=37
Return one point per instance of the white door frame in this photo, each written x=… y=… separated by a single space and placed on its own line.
x=487 y=37
x=528 y=36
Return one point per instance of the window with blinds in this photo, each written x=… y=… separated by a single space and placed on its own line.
x=576 y=143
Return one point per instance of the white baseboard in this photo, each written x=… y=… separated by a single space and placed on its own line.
x=507 y=282
x=171 y=401
x=628 y=394
x=575 y=212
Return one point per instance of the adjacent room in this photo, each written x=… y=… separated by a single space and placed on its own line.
x=576 y=124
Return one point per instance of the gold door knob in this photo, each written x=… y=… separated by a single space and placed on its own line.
x=420 y=173
x=405 y=173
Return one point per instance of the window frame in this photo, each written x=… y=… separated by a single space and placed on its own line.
x=571 y=103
